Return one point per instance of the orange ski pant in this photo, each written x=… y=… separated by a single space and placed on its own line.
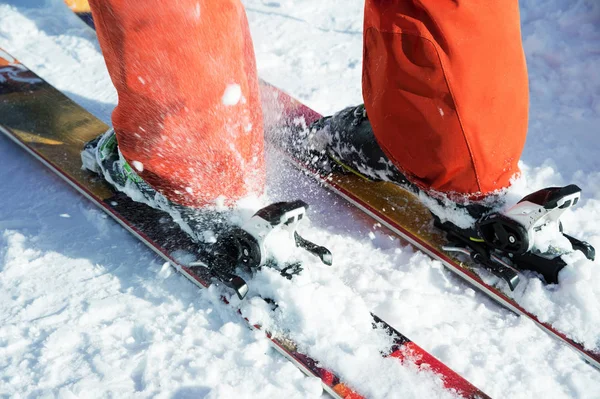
x=444 y=84
x=446 y=90
x=189 y=115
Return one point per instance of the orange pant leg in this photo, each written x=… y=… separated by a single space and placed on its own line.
x=445 y=87
x=189 y=114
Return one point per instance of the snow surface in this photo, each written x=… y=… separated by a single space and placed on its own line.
x=87 y=311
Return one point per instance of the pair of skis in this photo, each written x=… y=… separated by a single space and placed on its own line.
x=413 y=224
x=54 y=129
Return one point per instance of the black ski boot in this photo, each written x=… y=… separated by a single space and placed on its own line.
x=351 y=144
x=502 y=242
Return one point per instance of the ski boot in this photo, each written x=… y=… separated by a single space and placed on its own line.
x=102 y=156
x=347 y=140
x=231 y=247
x=500 y=242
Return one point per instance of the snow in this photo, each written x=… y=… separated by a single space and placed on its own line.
x=88 y=311
x=232 y=94
x=139 y=166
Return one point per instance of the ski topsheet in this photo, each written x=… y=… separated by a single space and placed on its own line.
x=53 y=129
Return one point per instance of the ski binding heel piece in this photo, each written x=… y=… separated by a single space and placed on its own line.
x=245 y=246
x=506 y=242
x=514 y=231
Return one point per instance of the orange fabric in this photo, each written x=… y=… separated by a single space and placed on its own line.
x=445 y=88
x=178 y=68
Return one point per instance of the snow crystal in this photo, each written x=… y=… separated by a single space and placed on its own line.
x=165 y=270
x=232 y=94
x=138 y=166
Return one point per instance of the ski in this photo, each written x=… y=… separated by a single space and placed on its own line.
x=54 y=130
x=401 y=211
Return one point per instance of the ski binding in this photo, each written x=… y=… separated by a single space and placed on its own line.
x=504 y=242
x=245 y=246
